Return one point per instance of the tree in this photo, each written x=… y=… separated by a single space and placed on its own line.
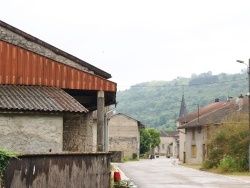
x=149 y=139
x=155 y=137
x=145 y=141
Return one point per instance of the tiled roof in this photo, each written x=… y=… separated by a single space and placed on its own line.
x=37 y=98
x=169 y=133
x=204 y=110
x=214 y=113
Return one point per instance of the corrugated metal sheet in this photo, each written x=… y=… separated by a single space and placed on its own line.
x=16 y=97
x=22 y=67
x=29 y=37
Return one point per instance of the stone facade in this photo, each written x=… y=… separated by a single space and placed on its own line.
x=195 y=145
x=124 y=135
x=78 y=132
x=169 y=144
x=31 y=133
x=46 y=133
x=182 y=150
x=164 y=147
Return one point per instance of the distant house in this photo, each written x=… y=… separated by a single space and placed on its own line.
x=169 y=145
x=47 y=96
x=124 y=134
x=194 y=127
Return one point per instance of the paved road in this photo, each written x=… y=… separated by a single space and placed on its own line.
x=165 y=172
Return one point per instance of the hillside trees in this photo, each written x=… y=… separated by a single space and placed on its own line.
x=157 y=104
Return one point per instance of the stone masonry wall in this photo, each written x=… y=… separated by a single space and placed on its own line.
x=77 y=132
x=31 y=133
x=124 y=135
x=128 y=145
x=15 y=39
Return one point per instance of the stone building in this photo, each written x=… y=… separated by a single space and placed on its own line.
x=124 y=134
x=169 y=145
x=47 y=97
x=194 y=127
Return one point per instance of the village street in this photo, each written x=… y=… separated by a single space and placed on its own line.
x=164 y=172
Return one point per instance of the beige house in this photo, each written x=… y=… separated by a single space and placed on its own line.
x=124 y=134
x=47 y=96
x=169 y=145
x=194 y=127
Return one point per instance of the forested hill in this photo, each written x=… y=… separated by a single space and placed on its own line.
x=157 y=104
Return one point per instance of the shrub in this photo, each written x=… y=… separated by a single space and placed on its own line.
x=5 y=156
x=123 y=184
x=228 y=146
x=134 y=156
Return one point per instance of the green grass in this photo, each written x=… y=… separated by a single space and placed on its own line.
x=215 y=170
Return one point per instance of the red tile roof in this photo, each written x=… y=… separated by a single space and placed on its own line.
x=37 y=98
x=214 y=113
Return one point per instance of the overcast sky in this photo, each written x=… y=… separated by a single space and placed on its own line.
x=141 y=40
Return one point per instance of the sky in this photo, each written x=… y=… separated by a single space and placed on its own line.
x=141 y=40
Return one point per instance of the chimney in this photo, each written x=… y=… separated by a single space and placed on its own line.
x=240 y=101
x=229 y=99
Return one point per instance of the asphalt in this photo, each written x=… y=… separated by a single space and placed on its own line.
x=124 y=177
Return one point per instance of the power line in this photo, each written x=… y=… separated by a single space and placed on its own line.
x=187 y=85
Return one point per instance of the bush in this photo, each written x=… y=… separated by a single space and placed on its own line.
x=233 y=164
x=5 y=156
x=228 y=146
x=123 y=184
x=134 y=156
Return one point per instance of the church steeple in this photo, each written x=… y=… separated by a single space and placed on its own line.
x=183 y=109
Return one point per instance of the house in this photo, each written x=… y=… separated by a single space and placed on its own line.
x=169 y=145
x=194 y=127
x=124 y=134
x=47 y=97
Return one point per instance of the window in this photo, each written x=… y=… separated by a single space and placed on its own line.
x=193 y=133
x=193 y=151
x=162 y=146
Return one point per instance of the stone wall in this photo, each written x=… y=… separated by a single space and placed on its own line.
x=163 y=147
x=124 y=135
x=182 y=138
x=31 y=133
x=199 y=141
x=128 y=145
x=78 y=132
x=117 y=156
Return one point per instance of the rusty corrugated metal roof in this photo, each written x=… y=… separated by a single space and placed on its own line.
x=38 y=98
x=56 y=50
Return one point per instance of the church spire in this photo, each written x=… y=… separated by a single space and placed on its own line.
x=183 y=109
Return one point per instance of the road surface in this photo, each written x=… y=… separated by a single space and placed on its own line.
x=166 y=173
